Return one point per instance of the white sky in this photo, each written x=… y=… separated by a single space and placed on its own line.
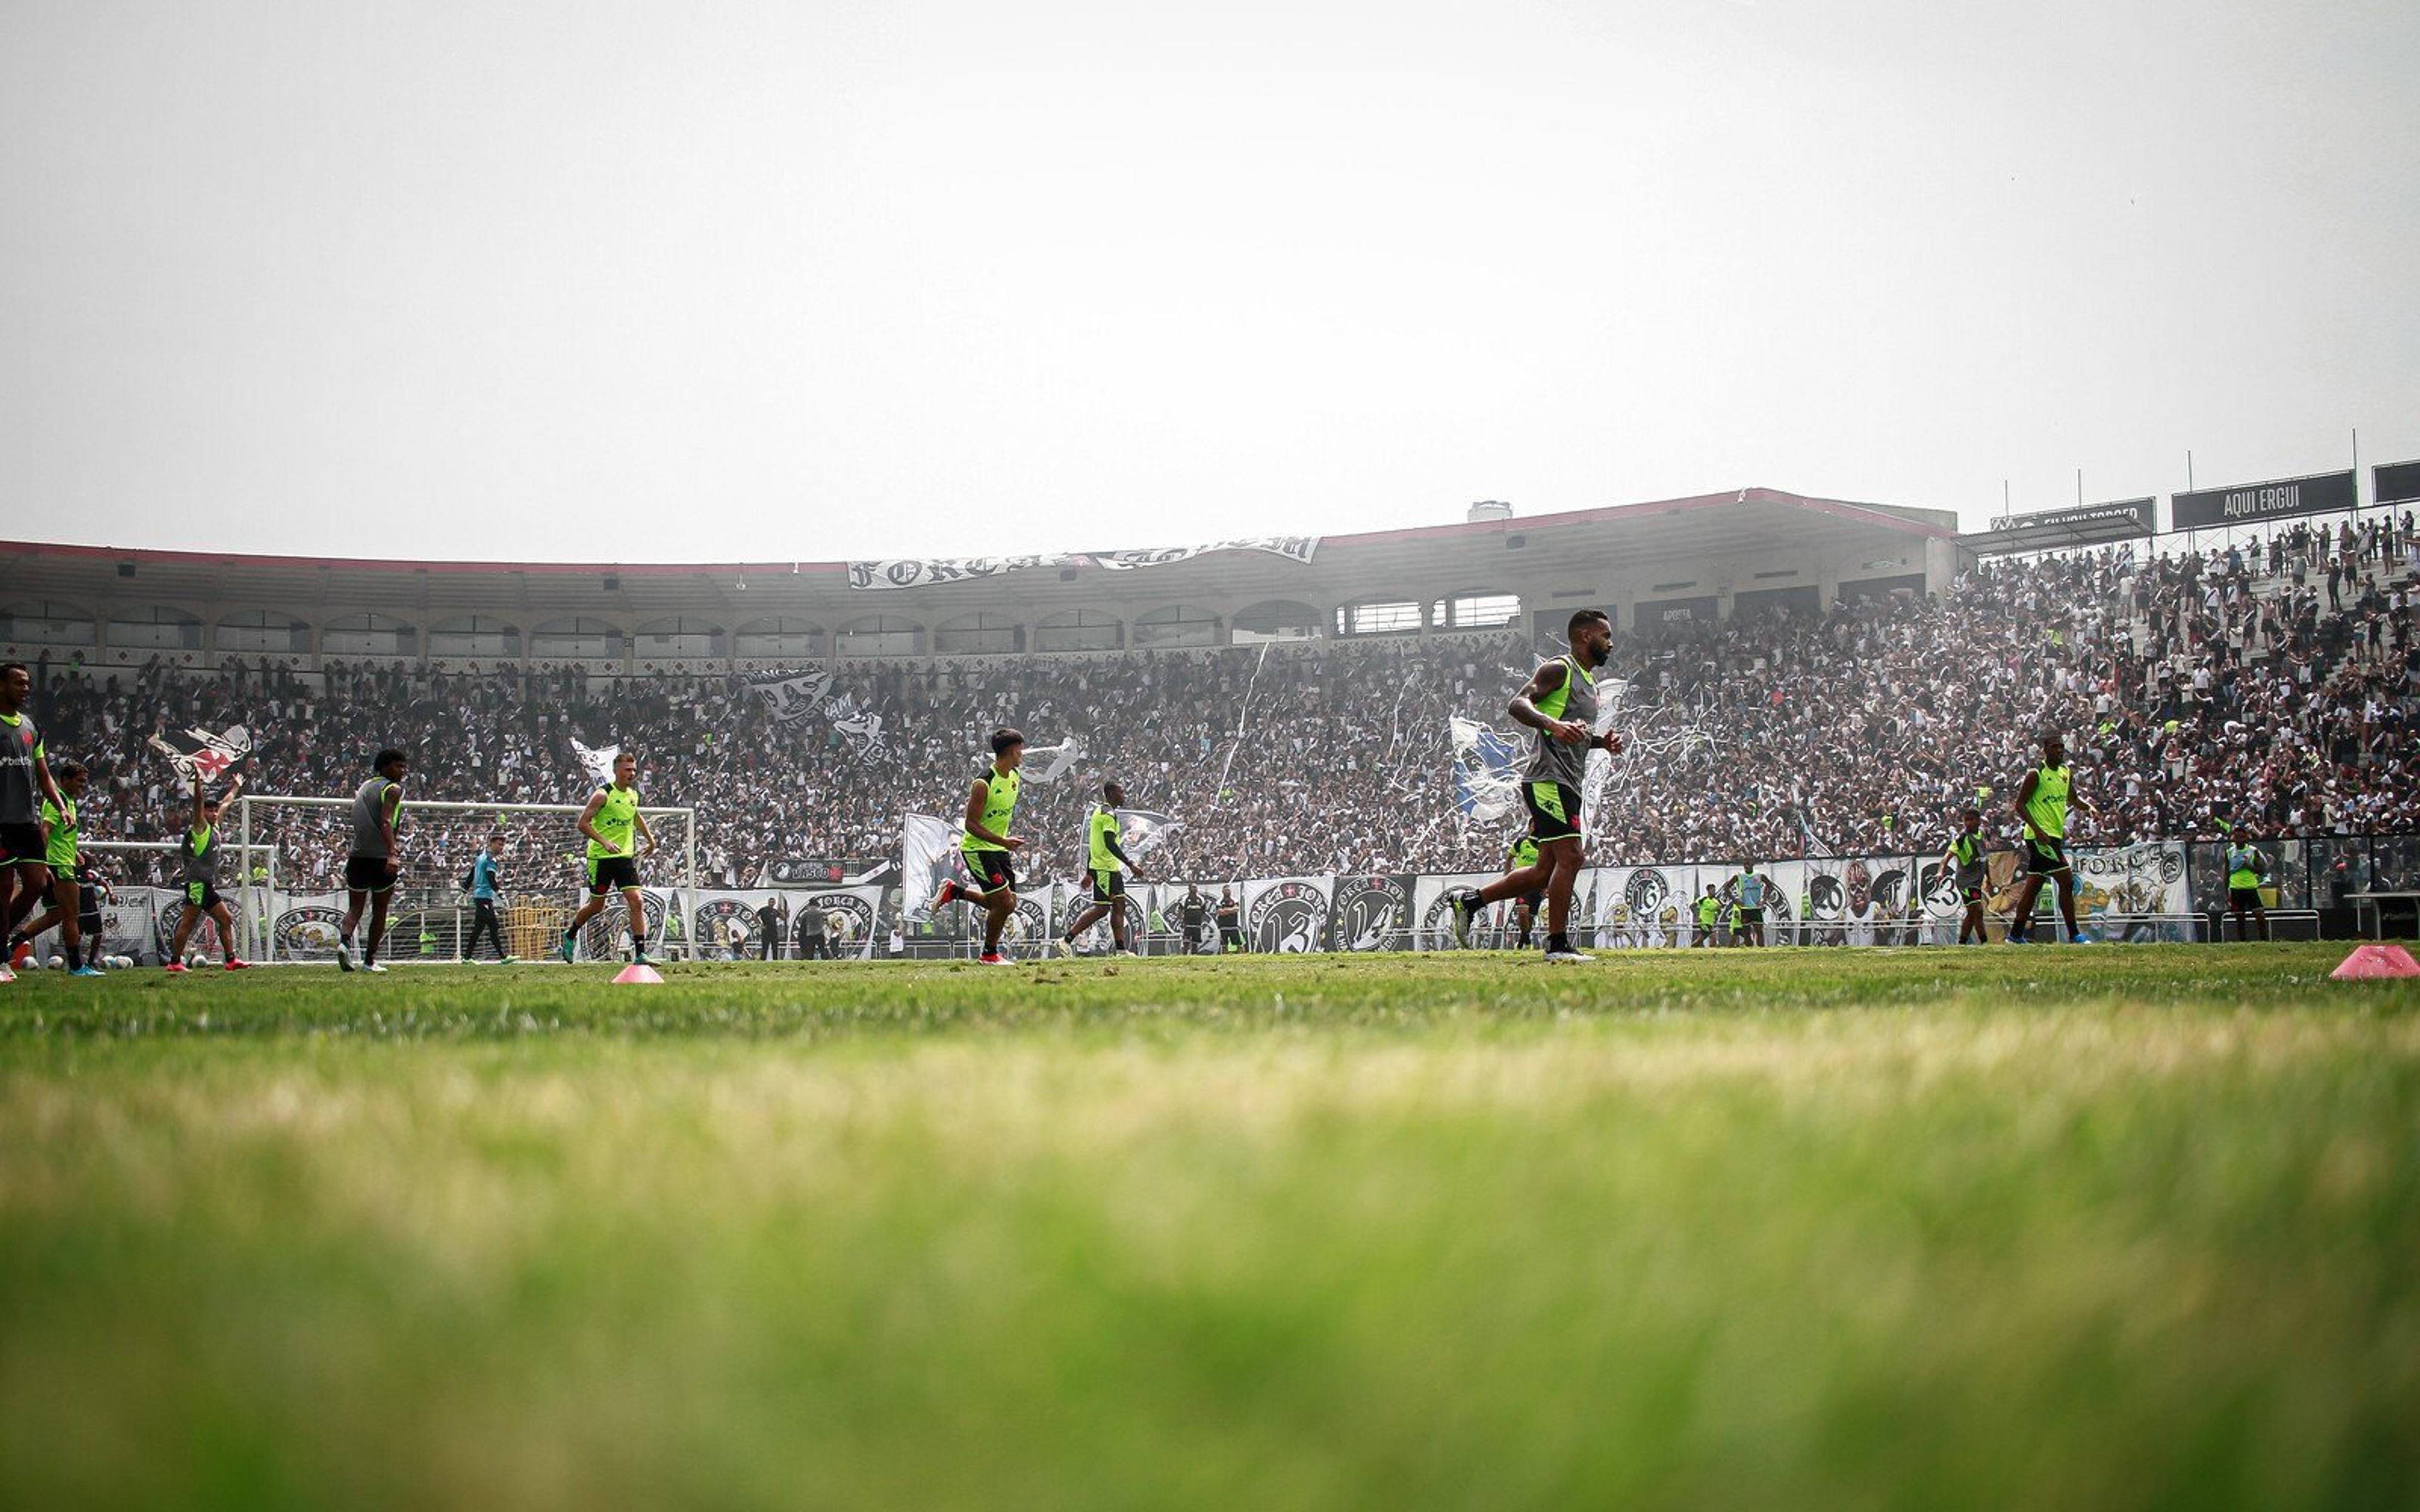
x=776 y=281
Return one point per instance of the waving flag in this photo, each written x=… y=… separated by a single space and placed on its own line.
x=599 y=759
x=201 y=756
x=1057 y=758
x=1486 y=781
x=928 y=857
x=1141 y=831
x=794 y=699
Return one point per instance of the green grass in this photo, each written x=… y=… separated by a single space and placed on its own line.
x=2111 y=1226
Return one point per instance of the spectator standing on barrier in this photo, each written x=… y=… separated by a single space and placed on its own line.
x=769 y=929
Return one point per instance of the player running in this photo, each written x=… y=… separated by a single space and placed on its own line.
x=199 y=851
x=1559 y=701
x=1967 y=872
x=67 y=885
x=24 y=779
x=984 y=849
x=612 y=814
x=371 y=865
x=2042 y=804
x=1107 y=860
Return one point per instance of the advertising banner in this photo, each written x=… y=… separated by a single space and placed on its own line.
x=1287 y=915
x=2249 y=504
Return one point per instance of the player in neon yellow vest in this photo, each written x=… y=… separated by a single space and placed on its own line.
x=1524 y=855
x=614 y=826
x=2043 y=801
x=1559 y=701
x=1969 y=871
x=985 y=851
x=2245 y=864
x=1106 y=863
x=59 y=837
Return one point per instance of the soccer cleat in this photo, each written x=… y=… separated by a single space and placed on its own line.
x=564 y=950
x=7 y=975
x=21 y=955
x=177 y=968
x=508 y=960
x=1564 y=956
x=86 y=970
x=1066 y=946
x=344 y=955
x=993 y=958
x=236 y=962
x=1465 y=906
x=374 y=967
x=948 y=895
x=2079 y=938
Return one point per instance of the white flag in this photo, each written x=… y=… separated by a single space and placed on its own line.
x=1141 y=831
x=1056 y=760
x=599 y=759
x=928 y=857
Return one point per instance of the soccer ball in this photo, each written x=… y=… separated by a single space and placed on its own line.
x=58 y=963
x=123 y=963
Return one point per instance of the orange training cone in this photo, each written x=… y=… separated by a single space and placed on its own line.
x=2376 y=960
x=638 y=971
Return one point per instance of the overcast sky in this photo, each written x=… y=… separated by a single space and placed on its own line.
x=603 y=281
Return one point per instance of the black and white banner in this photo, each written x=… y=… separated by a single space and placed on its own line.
x=203 y=755
x=794 y=699
x=2249 y=504
x=926 y=572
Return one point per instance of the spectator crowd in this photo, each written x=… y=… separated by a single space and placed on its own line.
x=2272 y=684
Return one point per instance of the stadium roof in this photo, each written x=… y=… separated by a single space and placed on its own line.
x=1577 y=546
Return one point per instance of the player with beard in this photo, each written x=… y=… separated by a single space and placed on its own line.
x=24 y=781
x=59 y=852
x=1559 y=701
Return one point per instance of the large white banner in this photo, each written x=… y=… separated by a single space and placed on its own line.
x=1287 y=915
x=922 y=572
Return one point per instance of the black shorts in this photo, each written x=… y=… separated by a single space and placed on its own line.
x=368 y=873
x=1554 y=811
x=2045 y=858
x=1751 y=916
x=22 y=844
x=2245 y=898
x=991 y=870
x=201 y=895
x=1971 y=897
x=1106 y=886
x=611 y=873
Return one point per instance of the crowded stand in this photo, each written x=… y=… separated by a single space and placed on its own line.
x=2268 y=682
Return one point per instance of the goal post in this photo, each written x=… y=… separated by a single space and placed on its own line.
x=429 y=916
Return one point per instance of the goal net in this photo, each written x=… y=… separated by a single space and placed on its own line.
x=541 y=879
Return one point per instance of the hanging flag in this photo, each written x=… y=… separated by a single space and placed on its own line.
x=201 y=756
x=1486 y=783
x=928 y=857
x=1141 y=831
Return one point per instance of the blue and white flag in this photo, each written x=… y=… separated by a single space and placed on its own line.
x=1487 y=776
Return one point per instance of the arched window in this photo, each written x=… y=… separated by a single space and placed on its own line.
x=880 y=635
x=269 y=631
x=978 y=635
x=155 y=627
x=44 y=623
x=782 y=638
x=1175 y=625
x=577 y=639
x=680 y=635
x=1379 y=616
x=1079 y=629
x=1474 y=609
x=475 y=635
x=1275 y=619
x=368 y=635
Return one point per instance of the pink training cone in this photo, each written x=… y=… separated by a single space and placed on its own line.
x=2376 y=960
x=638 y=971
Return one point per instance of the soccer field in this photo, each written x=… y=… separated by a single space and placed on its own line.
x=2048 y=1226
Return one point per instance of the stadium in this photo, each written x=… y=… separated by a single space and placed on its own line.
x=1202 y=1219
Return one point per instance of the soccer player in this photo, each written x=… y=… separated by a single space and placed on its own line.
x=1710 y=908
x=24 y=779
x=2042 y=804
x=1559 y=701
x=612 y=814
x=67 y=888
x=1964 y=858
x=1107 y=860
x=2244 y=865
x=484 y=894
x=984 y=849
x=371 y=866
x=1747 y=891
x=1523 y=855
x=200 y=851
